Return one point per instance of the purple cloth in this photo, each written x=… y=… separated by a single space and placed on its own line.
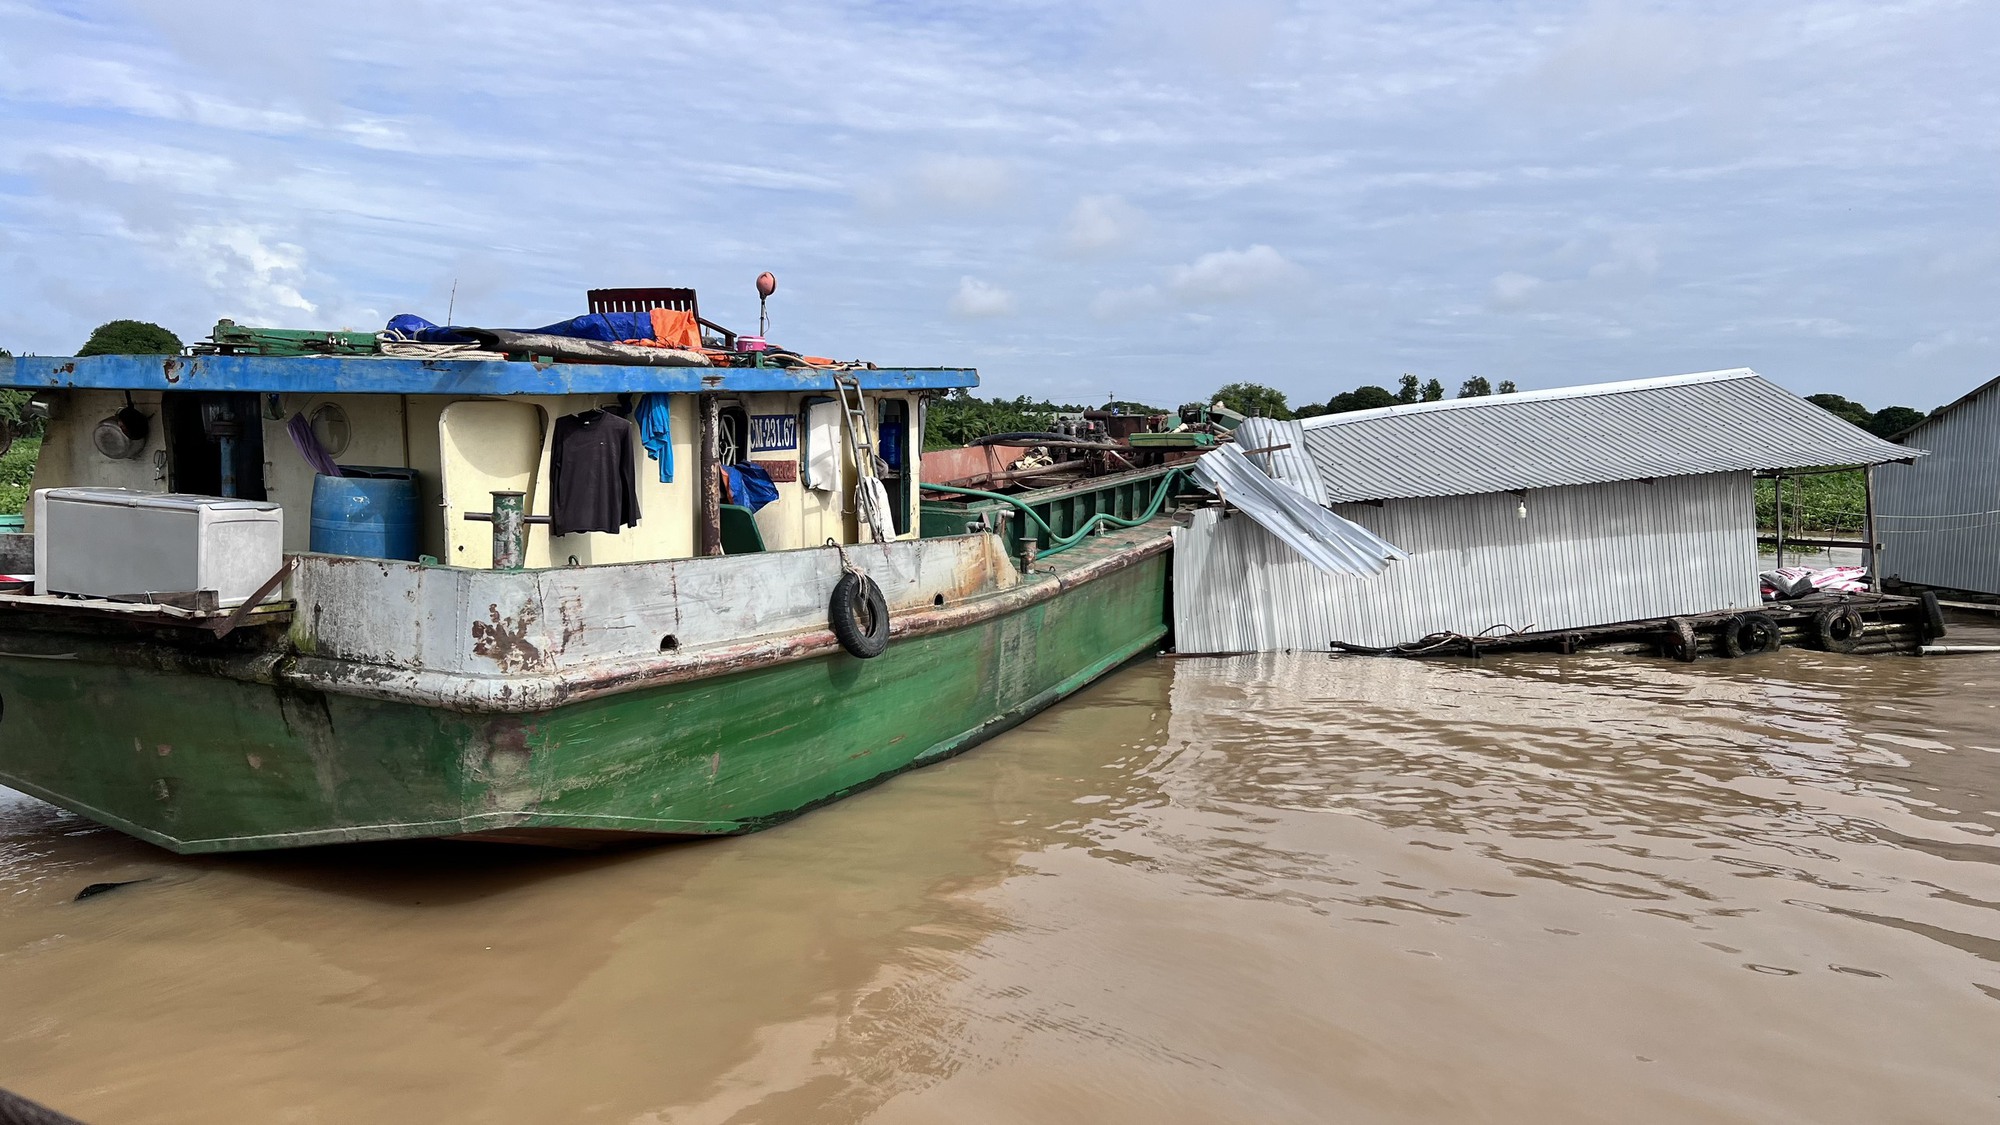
x=310 y=448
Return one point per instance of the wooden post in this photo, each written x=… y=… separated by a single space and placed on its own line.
x=708 y=519
x=1868 y=553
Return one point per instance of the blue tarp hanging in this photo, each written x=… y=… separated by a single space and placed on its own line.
x=750 y=486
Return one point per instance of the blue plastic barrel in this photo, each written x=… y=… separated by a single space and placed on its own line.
x=371 y=512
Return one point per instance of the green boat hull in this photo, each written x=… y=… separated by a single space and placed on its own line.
x=204 y=763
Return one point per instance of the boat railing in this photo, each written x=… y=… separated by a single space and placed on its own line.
x=1056 y=518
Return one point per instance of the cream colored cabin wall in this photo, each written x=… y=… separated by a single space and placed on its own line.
x=375 y=426
x=402 y=431
x=666 y=510
x=69 y=459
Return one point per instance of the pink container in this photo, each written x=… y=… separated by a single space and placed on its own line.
x=751 y=344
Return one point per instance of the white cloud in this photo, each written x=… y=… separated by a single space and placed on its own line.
x=1100 y=224
x=1232 y=275
x=977 y=300
x=258 y=280
x=1511 y=291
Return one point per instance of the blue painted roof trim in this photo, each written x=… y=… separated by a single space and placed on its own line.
x=383 y=375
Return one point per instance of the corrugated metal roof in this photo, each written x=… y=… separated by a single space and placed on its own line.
x=1715 y=421
x=1290 y=465
x=1328 y=541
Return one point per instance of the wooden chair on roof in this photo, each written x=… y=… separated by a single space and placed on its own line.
x=647 y=298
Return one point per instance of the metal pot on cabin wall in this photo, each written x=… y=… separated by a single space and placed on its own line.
x=122 y=436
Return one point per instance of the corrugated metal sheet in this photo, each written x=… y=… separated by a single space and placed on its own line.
x=1939 y=520
x=1327 y=541
x=1292 y=465
x=1718 y=421
x=1586 y=555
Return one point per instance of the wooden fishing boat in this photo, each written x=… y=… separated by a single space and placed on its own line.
x=707 y=670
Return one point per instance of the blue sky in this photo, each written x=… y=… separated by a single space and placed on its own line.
x=1149 y=198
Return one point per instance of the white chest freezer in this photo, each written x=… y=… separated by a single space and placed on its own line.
x=115 y=542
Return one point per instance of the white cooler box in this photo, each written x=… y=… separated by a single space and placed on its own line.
x=114 y=542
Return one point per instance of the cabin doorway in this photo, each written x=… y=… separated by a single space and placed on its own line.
x=892 y=439
x=215 y=443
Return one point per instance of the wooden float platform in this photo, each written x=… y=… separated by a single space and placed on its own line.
x=1892 y=624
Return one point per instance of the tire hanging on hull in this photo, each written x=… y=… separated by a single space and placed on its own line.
x=859 y=615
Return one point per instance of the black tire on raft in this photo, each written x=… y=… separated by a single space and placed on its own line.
x=859 y=615
x=1838 y=628
x=1933 y=616
x=1679 y=641
x=1748 y=634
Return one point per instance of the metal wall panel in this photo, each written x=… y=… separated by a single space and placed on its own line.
x=1939 y=520
x=1584 y=555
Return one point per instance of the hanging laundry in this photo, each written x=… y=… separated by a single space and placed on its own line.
x=750 y=485
x=307 y=443
x=594 y=477
x=656 y=432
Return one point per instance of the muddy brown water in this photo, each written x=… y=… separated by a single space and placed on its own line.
x=1259 y=889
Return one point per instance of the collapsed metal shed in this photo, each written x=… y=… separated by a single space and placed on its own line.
x=1938 y=519
x=1543 y=510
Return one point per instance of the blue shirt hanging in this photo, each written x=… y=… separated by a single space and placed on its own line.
x=656 y=432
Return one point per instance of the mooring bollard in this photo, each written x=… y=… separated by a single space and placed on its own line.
x=510 y=528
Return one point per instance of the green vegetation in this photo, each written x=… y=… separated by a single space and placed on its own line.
x=130 y=337
x=11 y=403
x=1816 y=506
x=17 y=469
x=1253 y=400
x=1886 y=422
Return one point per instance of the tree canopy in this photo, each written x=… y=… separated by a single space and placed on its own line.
x=1253 y=400
x=1433 y=391
x=1886 y=422
x=958 y=418
x=1475 y=387
x=130 y=337
x=1360 y=398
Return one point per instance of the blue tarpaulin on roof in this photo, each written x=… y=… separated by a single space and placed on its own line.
x=607 y=327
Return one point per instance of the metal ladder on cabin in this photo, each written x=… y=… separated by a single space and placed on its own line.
x=871 y=500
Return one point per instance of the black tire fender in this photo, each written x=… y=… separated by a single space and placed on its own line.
x=859 y=615
x=1838 y=628
x=1933 y=616
x=1748 y=634
x=1678 y=642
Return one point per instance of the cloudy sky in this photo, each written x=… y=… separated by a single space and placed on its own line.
x=1079 y=197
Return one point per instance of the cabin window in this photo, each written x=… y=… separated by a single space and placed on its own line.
x=734 y=439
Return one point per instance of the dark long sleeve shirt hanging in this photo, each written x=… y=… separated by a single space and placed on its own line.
x=595 y=479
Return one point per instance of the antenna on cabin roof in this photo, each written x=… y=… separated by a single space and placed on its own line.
x=451 y=305
x=767 y=284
